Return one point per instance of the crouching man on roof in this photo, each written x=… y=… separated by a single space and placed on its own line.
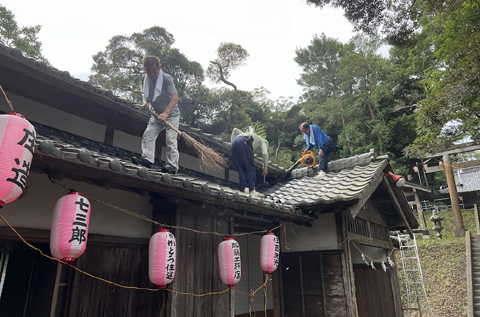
x=315 y=137
x=243 y=146
x=159 y=91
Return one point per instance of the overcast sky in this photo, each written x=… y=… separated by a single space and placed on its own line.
x=270 y=30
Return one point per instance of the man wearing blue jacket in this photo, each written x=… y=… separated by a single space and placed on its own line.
x=315 y=137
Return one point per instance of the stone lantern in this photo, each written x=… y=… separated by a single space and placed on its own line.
x=437 y=223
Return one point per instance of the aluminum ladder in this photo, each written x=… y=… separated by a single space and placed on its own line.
x=417 y=300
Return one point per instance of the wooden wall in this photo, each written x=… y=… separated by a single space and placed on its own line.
x=126 y=266
x=374 y=292
x=314 y=285
x=197 y=263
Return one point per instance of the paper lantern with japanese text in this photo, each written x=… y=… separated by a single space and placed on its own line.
x=17 y=141
x=229 y=262
x=162 y=258
x=69 y=232
x=269 y=253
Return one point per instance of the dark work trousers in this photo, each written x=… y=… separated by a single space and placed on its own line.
x=242 y=154
x=327 y=149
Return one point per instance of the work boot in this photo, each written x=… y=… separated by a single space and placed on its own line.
x=169 y=170
x=321 y=174
x=254 y=193
x=141 y=161
x=246 y=190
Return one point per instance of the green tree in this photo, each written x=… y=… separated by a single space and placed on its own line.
x=228 y=111
x=452 y=83
x=325 y=95
x=22 y=37
x=230 y=56
x=395 y=19
x=119 y=68
x=351 y=93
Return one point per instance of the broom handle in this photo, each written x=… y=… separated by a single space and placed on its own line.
x=153 y=113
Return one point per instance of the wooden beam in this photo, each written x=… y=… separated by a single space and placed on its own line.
x=435 y=169
x=461 y=148
x=372 y=217
x=452 y=190
x=397 y=205
x=465 y=164
x=454 y=165
x=43 y=236
x=423 y=225
x=109 y=132
x=368 y=241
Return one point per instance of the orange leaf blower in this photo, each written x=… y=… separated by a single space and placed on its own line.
x=308 y=159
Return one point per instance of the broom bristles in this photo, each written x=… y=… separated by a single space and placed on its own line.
x=209 y=158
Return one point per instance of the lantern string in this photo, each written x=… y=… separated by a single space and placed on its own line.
x=134 y=214
x=253 y=292
x=265 y=297
x=6 y=98
x=287 y=245
x=120 y=285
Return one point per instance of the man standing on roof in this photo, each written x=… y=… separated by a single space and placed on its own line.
x=315 y=137
x=243 y=146
x=159 y=91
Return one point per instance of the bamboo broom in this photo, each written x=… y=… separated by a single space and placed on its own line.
x=208 y=157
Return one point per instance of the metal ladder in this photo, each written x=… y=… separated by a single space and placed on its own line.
x=417 y=300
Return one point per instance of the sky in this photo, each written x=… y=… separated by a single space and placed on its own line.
x=270 y=30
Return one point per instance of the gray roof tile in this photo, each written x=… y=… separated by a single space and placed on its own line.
x=467 y=179
x=345 y=185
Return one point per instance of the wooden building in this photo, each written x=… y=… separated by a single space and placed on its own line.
x=85 y=139
x=467 y=181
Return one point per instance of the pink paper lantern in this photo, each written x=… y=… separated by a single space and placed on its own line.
x=69 y=232
x=17 y=141
x=415 y=169
x=229 y=262
x=162 y=258
x=269 y=253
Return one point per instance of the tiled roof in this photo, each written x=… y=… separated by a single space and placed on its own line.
x=341 y=186
x=69 y=147
x=467 y=180
x=286 y=197
x=106 y=96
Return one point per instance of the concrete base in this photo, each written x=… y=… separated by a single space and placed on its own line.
x=425 y=234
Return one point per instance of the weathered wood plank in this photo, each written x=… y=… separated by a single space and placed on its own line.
x=221 y=307
x=368 y=241
x=204 y=266
x=126 y=266
x=182 y=305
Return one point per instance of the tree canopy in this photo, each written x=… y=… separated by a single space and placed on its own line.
x=229 y=57
x=22 y=37
x=119 y=67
